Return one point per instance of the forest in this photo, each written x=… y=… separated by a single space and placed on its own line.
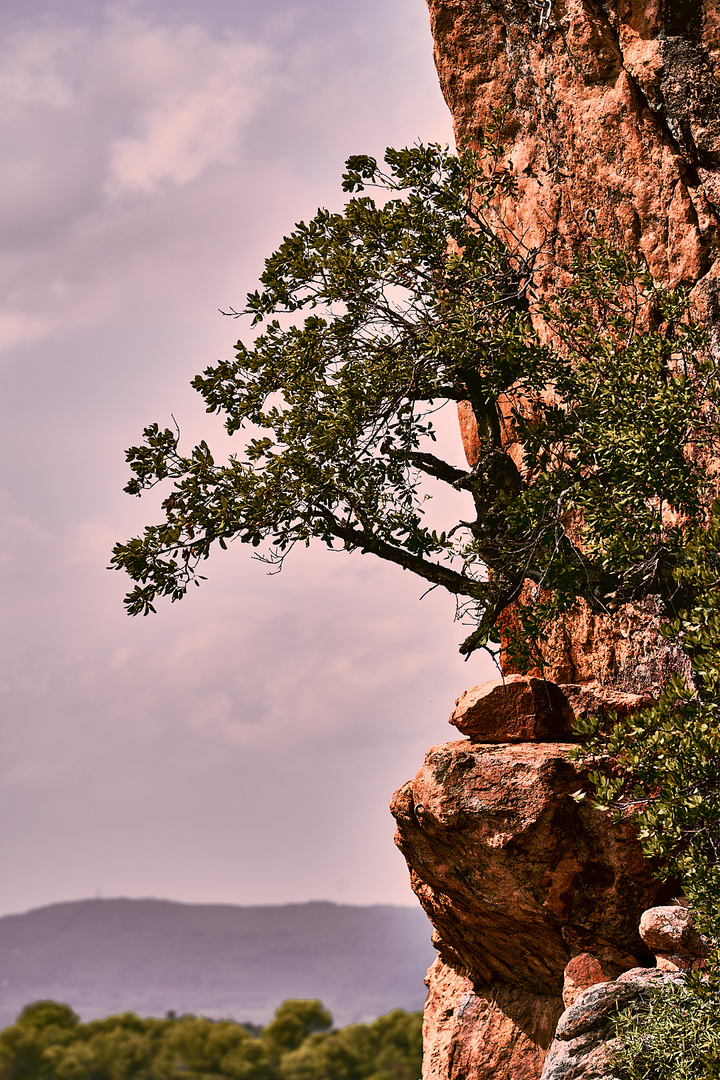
x=50 y=1042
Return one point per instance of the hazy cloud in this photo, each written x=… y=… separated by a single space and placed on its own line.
x=241 y=745
x=191 y=94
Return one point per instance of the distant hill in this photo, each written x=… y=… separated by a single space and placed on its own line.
x=152 y=956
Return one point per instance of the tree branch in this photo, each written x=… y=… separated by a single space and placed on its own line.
x=435 y=466
x=458 y=584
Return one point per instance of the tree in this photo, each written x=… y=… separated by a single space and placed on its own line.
x=426 y=298
x=294 y=1022
x=29 y=1046
x=608 y=390
x=390 y=1048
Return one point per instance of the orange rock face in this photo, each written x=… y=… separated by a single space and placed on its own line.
x=605 y=654
x=614 y=117
x=612 y=130
x=503 y=1033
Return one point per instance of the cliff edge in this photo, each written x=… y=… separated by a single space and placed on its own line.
x=612 y=130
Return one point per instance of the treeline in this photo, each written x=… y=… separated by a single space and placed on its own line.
x=49 y=1042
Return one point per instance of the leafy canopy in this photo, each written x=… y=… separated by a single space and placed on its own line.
x=374 y=318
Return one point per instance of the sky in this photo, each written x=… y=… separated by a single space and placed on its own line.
x=240 y=746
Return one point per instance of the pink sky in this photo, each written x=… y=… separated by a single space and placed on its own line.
x=241 y=746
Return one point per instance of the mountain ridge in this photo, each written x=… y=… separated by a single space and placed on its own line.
x=150 y=956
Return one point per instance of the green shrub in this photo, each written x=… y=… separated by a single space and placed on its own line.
x=670 y=1034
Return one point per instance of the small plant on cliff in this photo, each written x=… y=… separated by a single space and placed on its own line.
x=660 y=766
x=670 y=1034
x=418 y=301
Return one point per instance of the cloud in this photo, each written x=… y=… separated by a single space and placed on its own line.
x=150 y=157
x=133 y=146
x=36 y=70
x=194 y=94
x=88 y=117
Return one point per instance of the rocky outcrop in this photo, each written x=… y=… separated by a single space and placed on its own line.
x=513 y=872
x=584 y=1045
x=540 y=902
x=534 y=896
x=587 y=970
x=598 y=699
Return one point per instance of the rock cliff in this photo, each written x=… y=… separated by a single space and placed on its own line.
x=530 y=891
x=612 y=130
x=614 y=116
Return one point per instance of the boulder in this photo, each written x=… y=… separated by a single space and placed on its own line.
x=519 y=708
x=584 y=971
x=669 y=933
x=584 y=1047
x=516 y=876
